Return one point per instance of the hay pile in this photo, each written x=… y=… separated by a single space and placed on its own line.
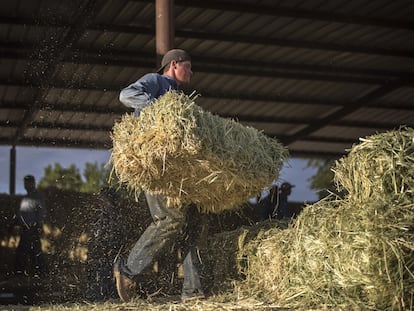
x=355 y=252
x=192 y=156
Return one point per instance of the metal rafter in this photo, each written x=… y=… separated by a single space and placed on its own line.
x=114 y=57
x=201 y=35
x=51 y=51
x=272 y=10
x=346 y=110
x=207 y=94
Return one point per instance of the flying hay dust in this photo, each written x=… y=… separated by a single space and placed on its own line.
x=176 y=149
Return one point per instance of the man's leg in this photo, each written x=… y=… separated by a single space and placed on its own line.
x=22 y=252
x=163 y=231
x=37 y=257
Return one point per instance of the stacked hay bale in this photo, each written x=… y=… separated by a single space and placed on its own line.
x=231 y=256
x=177 y=149
x=350 y=252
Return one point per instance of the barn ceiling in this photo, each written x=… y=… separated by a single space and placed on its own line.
x=315 y=74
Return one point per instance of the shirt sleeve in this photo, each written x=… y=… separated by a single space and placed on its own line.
x=141 y=93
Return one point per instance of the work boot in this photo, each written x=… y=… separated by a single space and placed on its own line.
x=125 y=286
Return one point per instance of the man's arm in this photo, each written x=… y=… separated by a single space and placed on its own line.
x=140 y=94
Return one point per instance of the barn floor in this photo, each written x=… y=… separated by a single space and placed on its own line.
x=23 y=294
x=171 y=305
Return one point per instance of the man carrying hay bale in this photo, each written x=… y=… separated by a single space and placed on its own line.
x=167 y=222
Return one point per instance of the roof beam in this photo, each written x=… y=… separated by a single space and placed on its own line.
x=207 y=94
x=51 y=51
x=330 y=140
x=62 y=108
x=59 y=143
x=340 y=113
x=283 y=74
x=60 y=126
x=341 y=123
x=271 y=10
x=333 y=17
x=192 y=34
x=242 y=119
x=112 y=57
x=239 y=118
x=315 y=155
x=269 y=41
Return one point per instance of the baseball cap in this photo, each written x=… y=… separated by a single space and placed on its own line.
x=175 y=54
x=286 y=185
x=29 y=178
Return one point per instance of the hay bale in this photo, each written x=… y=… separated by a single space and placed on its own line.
x=242 y=254
x=382 y=165
x=355 y=252
x=192 y=156
x=266 y=262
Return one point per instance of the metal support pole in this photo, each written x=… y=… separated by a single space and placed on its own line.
x=12 y=181
x=164 y=27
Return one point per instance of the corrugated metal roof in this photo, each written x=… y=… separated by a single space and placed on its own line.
x=315 y=74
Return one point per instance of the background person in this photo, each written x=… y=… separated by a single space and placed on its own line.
x=30 y=218
x=284 y=210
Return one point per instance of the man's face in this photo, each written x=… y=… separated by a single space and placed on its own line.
x=286 y=189
x=29 y=185
x=182 y=71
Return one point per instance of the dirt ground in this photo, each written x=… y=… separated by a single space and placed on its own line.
x=169 y=304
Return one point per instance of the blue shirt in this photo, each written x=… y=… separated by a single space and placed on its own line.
x=144 y=91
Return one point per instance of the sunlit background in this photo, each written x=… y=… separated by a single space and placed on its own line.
x=33 y=160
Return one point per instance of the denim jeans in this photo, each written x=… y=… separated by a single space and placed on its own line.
x=169 y=225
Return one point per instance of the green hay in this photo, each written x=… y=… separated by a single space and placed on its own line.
x=265 y=263
x=191 y=156
x=355 y=252
x=381 y=166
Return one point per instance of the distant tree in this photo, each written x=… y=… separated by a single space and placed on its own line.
x=322 y=182
x=61 y=178
x=96 y=177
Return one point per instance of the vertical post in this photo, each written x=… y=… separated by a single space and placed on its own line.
x=12 y=181
x=164 y=27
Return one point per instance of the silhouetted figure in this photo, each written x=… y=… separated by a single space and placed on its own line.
x=283 y=209
x=30 y=217
x=272 y=203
